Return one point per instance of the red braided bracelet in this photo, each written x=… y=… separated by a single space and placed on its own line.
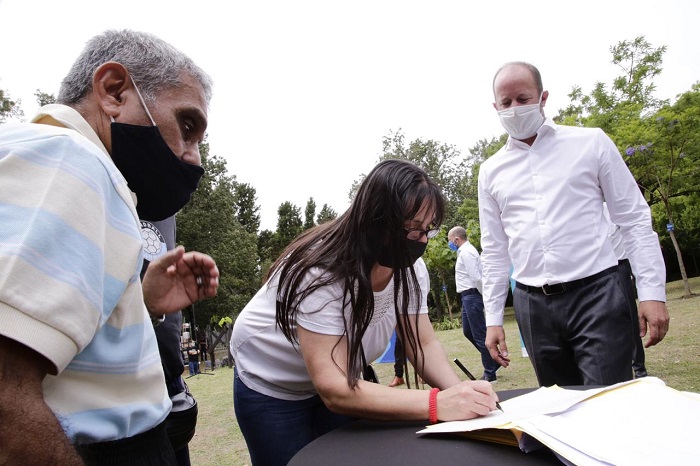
x=432 y=405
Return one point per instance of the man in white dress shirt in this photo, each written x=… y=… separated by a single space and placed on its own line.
x=468 y=284
x=541 y=208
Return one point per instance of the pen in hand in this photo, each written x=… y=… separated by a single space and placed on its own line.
x=471 y=377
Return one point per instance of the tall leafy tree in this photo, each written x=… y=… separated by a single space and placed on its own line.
x=666 y=165
x=247 y=210
x=266 y=250
x=440 y=260
x=289 y=226
x=309 y=214
x=628 y=98
x=209 y=224
x=326 y=214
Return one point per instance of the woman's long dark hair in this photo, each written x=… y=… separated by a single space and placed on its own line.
x=346 y=249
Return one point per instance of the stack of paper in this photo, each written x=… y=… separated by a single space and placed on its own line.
x=638 y=422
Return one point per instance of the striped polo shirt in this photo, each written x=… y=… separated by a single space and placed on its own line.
x=70 y=257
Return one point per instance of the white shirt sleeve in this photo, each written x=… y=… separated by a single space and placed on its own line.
x=629 y=210
x=495 y=261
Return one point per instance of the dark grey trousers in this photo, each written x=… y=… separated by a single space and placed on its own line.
x=579 y=337
x=638 y=357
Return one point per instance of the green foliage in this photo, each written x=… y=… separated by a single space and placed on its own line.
x=447 y=324
x=309 y=214
x=246 y=209
x=42 y=98
x=443 y=163
x=630 y=96
x=326 y=215
x=9 y=108
x=289 y=226
x=440 y=261
x=208 y=224
x=225 y=321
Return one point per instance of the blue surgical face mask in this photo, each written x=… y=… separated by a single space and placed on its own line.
x=453 y=246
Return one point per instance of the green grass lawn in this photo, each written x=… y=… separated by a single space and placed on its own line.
x=676 y=360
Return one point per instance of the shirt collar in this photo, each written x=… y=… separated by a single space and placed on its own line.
x=546 y=128
x=67 y=117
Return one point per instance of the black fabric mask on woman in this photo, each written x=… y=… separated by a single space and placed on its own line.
x=162 y=182
x=414 y=248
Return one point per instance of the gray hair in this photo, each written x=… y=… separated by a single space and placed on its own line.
x=153 y=63
x=533 y=71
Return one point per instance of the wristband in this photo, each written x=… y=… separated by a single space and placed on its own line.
x=432 y=405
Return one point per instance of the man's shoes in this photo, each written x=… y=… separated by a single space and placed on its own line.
x=640 y=372
x=396 y=382
x=489 y=378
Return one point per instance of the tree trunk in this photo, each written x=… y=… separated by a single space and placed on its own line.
x=679 y=255
x=438 y=305
x=681 y=265
x=211 y=347
x=447 y=297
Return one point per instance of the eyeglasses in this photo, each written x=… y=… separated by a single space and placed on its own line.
x=416 y=234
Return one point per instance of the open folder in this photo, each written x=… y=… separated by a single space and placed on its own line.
x=638 y=422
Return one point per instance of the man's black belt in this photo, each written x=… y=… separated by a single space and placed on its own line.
x=559 y=288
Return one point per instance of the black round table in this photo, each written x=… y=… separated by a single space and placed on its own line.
x=389 y=443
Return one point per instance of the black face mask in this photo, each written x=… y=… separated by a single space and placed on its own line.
x=414 y=248
x=162 y=182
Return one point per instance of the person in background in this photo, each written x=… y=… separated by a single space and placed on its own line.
x=158 y=238
x=330 y=304
x=79 y=362
x=193 y=358
x=468 y=283
x=541 y=209
x=627 y=279
x=203 y=350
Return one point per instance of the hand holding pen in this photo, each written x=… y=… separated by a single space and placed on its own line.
x=471 y=377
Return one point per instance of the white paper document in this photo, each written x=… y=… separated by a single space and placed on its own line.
x=642 y=422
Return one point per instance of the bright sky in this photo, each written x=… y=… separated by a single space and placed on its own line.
x=305 y=90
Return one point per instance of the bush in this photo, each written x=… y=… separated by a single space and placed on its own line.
x=447 y=324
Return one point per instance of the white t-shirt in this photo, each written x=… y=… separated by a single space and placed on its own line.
x=269 y=364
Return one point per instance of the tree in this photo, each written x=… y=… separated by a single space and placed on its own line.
x=42 y=98
x=467 y=213
x=246 y=209
x=666 y=166
x=326 y=215
x=440 y=261
x=442 y=162
x=9 y=108
x=309 y=214
x=266 y=250
x=631 y=94
x=446 y=167
x=289 y=226
x=208 y=224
